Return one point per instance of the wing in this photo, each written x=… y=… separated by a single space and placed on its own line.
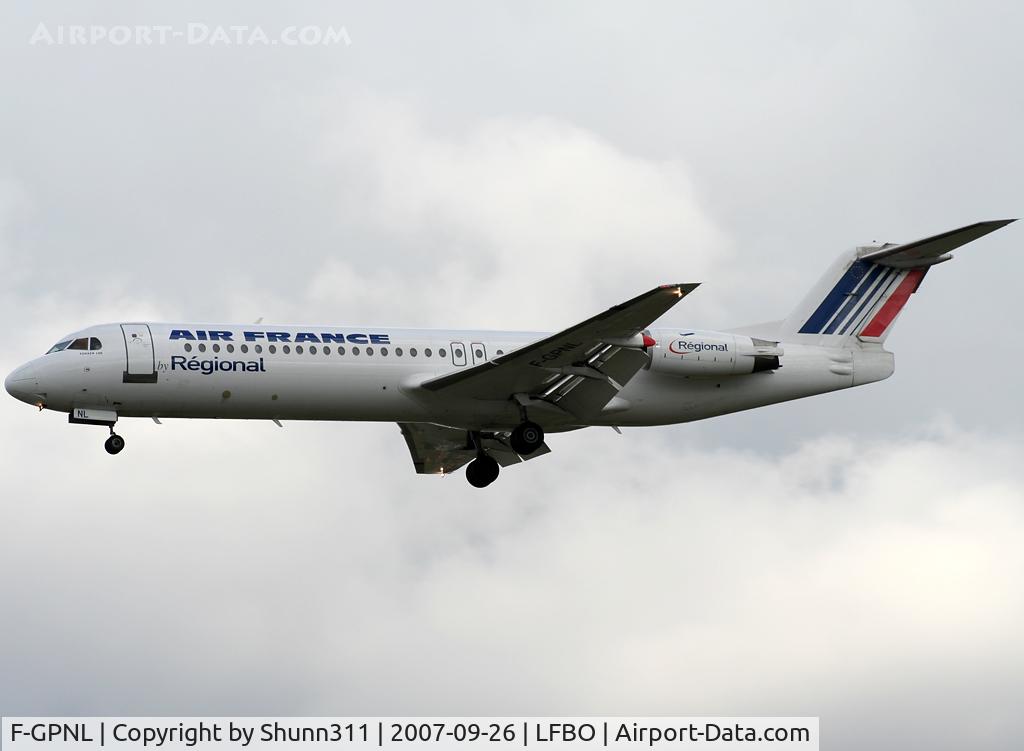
x=438 y=450
x=576 y=371
x=931 y=250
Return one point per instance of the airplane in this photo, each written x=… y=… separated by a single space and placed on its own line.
x=488 y=399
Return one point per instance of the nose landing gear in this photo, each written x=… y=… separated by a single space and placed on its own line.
x=114 y=444
x=107 y=418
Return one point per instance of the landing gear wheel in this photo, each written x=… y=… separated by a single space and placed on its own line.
x=527 y=438
x=482 y=471
x=114 y=444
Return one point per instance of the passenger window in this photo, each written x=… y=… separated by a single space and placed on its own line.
x=286 y=349
x=369 y=350
x=427 y=352
x=202 y=347
x=398 y=351
x=500 y=352
x=95 y=343
x=216 y=348
x=457 y=353
x=312 y=350
x=244 y=348
x=327 y=350
x=79 y=344
x=273 y=349
x=478 y=354
x=341 y=350
x=188 y=347
x=230 y=347
x=355 y=350
x=383 y=351
x=442 y=353
x=412 y=352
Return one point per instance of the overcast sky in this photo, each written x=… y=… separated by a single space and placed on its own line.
x=856 y=556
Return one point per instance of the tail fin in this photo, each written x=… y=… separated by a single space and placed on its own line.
x=864 y=291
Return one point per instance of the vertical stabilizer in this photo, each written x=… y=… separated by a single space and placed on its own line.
x=866 y=288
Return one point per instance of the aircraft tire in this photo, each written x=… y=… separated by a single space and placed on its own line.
x=114 y=444
x=527 y=438
x=482 y=471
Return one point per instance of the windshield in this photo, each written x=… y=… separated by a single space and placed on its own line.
x=85 y=342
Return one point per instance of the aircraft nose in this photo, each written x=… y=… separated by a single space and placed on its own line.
x=23 y=385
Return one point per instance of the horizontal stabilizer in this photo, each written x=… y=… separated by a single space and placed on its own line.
x=930 y=250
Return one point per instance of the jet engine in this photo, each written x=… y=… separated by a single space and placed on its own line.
x=712 y=353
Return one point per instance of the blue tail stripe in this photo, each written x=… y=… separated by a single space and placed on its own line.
x=864 y=285
x=869 y=299
x=892 y=281
x=846 y=284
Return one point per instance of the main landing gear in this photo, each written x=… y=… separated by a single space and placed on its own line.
x=526 y=438
x=482 y=471
x=114 y=444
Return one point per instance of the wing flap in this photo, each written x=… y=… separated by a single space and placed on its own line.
x=439 y=450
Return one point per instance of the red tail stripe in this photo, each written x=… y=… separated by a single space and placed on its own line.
x=895 y=303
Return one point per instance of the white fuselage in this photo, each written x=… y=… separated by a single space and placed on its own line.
x=484 y=400
x=330 y=373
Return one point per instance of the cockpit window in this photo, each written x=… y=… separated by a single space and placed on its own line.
x=82 y=343
x=58 y=346
x=95 y=343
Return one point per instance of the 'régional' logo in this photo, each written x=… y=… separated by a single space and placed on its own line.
x=689 y=347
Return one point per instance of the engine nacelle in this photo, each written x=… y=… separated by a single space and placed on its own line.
x=712 y=353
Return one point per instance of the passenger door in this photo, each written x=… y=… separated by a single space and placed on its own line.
x=479 y=352
x=140 y=366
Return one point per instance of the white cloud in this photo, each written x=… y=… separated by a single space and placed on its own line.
x=667 y=579
x=519 y=223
